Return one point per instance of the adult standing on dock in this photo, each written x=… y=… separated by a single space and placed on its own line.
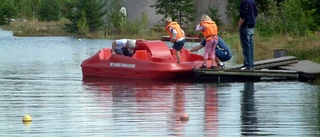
x=248 y=13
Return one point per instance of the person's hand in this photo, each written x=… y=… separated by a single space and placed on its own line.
x=172 y=40
x=113 y=52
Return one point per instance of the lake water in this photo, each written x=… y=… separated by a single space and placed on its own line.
x=41 y=76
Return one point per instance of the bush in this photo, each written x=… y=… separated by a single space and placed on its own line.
x=49 y=10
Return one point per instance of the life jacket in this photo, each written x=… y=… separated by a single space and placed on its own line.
x=211 y=30
x=176 y=27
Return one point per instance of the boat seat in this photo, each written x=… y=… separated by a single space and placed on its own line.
x=105 y=54
x=141 y=54
x=155 y=48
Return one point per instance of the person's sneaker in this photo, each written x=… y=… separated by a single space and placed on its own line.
x=221 y=65
x=203 y=66
x=243 y=68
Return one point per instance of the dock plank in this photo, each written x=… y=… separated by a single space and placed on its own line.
x=305 y=66
x=308 y=70
x=287 y=67
x=188 y=39
x=254 y=73
x=268 y=63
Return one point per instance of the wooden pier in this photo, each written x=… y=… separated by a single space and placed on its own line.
x=188 y=39
x=282 y=68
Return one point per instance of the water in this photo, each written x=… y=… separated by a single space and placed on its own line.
x=41 y=76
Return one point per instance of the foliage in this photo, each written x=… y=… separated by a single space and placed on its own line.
x=23 y=10
x=287 y=18
x=280 y=16
x=233 y=12
x=312 y=7
x=213 y=13
x=29 y=9
x=94 y=12
x=180 y=10
x=136 y=27
x=115 y=19
x=7 y=12
x=49 y=10
x=82 y=24
x=117 y=22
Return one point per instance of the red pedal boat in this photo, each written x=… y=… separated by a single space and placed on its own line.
x=152 y=60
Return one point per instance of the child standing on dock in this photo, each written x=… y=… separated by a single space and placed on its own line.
x=177 y=36
x=210 y=32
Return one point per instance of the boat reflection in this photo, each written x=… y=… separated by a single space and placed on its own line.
x=143 y=101
x=157 y=105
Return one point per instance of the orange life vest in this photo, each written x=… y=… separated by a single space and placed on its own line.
x=211 y=30
x=176 y=27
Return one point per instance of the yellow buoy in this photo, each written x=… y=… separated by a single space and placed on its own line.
x=27 y=118
x=27 y=123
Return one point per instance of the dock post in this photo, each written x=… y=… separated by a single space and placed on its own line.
x=279 y=53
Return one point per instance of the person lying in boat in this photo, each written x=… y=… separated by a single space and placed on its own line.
x=223 y=52
x=123 y=47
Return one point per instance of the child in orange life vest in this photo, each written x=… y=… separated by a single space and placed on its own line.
x=210 y=32
x=177 y=36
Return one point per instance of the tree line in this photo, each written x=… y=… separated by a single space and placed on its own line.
x=275 y=16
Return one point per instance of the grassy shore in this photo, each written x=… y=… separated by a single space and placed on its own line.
x=37 y=28
x=303 y=47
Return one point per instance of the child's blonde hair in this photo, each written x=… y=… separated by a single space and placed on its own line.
x=168 y=20
x=205 y=17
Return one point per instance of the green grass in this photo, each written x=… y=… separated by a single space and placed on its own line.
x=302 y=47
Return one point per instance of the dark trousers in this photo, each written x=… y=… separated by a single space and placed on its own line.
x=247 y=44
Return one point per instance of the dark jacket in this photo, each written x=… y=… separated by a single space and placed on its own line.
x=222 y=51
x=248 y=12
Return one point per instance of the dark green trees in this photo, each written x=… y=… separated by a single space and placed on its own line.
x=7 y=12
x=49 y=10
x=86 y=15
x=179 y=10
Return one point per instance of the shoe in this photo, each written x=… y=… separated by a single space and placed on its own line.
x=221 y=65
x=203 y=66
x=243 y=68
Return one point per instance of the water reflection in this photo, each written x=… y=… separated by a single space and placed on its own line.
x=174 y=124
x=211 y=110
x=156 y=106
x=249 y=126
x=141 y=103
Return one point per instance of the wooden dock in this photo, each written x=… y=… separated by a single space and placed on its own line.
x=282 y=68
x=188 y=39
